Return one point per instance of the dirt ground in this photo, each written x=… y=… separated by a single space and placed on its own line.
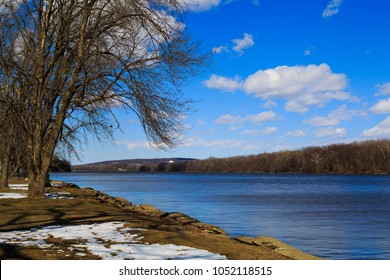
x=90 y=206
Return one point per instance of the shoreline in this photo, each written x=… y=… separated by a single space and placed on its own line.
x=155 y=226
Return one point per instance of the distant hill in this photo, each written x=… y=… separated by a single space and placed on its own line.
x=365 y=157
x=134 y=165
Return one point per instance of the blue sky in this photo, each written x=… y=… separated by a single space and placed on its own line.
x=286 y=74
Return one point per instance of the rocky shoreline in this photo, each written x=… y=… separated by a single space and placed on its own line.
x=158 y=227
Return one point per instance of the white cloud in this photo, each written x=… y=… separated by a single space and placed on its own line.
x=265 y=131
x=262 y=117
x=132 y=145
x=244 y=43
x=309 y=51
x=296 y=133
x=270 y=104
x=335 y=117
x=380 y=130
x=223 y=144
x=199 y=5
x=190 y=142
x=286 y=81
x=9 y=5
x=256 y=118
x=229 y=119
x=331 y=132
x=220 y=49
x=301 y=86
x=270 y=130
x=382 y=107
x=332 y=8
x=222 y=83
x=383 y=89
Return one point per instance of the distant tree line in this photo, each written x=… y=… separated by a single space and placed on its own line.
x=357 y=157
x=367 y=157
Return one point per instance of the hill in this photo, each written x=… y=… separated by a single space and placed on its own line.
x=134 y=165
x=365 y=157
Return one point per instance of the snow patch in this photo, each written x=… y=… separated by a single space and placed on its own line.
x=13 y=195
x=111 y=240
x=18 y=186
x=52 y=195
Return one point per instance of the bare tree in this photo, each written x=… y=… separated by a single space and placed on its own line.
x=72 y=61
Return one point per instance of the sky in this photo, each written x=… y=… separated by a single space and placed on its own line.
x=286 y=74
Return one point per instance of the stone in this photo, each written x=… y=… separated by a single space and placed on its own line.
x=123 y=202
x=148 y=207
x=245 y=239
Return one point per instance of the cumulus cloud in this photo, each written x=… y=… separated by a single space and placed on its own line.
x=262 y=117
x=200 y=5
x=216 y=144
x=222 y=83
x=383 y=89
x=301 y=86
x=331 y=132
x=286 y=81
x=296 y=133
x=336 y=116
x=220 y=49
x=380 y=130
x=256 y=118
x=241 y=44
x=270 y=104
x=229 y=119
x=332 y=9
x=265 y=131
x=382 y=107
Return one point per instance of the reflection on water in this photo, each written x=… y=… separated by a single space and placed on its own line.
x=332 y=216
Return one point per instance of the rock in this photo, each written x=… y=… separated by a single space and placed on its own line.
x=70 y=185
x=148 y=207
x=210 y=228
x=123 y=202
x=110 y=200
x=245 y=239
x=180 y=217
x=282 y=248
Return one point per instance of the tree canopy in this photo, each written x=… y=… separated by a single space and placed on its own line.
x=65 y=64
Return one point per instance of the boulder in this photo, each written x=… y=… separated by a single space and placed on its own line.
x=122 y=202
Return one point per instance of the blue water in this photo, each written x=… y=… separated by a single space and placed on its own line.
x=331 y=216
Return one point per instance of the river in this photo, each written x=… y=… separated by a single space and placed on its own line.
x=330 y=216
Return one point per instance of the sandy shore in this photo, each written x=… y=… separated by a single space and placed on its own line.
x=69 y=205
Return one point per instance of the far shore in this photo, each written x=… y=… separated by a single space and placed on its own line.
x=68 y=204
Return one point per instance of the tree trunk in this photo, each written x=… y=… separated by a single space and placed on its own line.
x=38 y=171
x=4 y=176
x=36 y=185
x=4 y=173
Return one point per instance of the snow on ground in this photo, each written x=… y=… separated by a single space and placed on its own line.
x=18 y=186
x=13 y=195
x=24 y=187
x=111 y=240
x=53 y=195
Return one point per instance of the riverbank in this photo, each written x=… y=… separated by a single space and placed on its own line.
x=68 y=205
